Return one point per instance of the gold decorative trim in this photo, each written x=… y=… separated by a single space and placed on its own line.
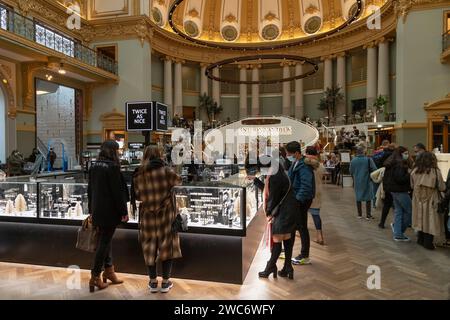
x=94 y=14
x=411 y=125
x=25 y=128
x=5 y=74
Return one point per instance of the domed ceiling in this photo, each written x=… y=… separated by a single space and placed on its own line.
x=258 y=21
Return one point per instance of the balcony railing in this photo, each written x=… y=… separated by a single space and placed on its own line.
x=446 y=41
x=37 y=32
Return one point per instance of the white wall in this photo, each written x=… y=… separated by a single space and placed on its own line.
x=135 y=81
x=421 y=77
x=2 y=127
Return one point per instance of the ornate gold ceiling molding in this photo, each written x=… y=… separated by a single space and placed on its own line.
x=50 y=12
x=119 y=29
x=403 y=7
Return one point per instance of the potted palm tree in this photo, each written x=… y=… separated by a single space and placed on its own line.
x=331 y=98
x=211 y=107
x=380 y=105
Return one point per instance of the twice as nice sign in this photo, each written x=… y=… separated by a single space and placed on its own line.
x=139 y=116
x=146 y=116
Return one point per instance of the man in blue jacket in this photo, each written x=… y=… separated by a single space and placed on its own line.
x=303 y=184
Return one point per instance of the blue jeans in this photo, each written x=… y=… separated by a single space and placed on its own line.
x=315 y=213
x=402 y=213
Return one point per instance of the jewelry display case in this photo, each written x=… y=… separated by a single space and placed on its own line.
x=18 y=198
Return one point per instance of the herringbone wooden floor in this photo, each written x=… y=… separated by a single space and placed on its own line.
x=338 y=270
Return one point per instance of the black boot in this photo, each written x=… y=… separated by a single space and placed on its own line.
x=271 y=267
x=288 y=270
x=420 y=239
x=428 y=241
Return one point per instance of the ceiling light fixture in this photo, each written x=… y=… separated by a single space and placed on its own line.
x=5 y=81
x=61 y=69
x=220 y=64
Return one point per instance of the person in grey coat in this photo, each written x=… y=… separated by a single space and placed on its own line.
x=360 y=168
x=281 y=211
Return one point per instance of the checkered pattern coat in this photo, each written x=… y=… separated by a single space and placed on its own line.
x=153 y=186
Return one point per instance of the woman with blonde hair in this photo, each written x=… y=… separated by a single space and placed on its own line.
x=153 y=184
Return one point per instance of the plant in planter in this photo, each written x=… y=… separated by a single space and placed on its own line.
x=331 y=98
x=380 y=106
x=211 y=107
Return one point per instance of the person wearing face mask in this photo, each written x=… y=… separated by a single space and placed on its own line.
x=397 y=181
x=302 y=179
x=419 y=149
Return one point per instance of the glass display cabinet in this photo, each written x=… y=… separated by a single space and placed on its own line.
x=18 y=198
x=221 y=207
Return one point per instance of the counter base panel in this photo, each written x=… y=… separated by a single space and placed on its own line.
x=205 y=257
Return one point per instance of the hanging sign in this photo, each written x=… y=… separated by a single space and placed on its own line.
x=139 y=116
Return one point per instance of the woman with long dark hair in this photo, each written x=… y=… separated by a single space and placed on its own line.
x=427 y=182
x=281 y=209
x=397 y=181
x=152 y=184
x=108 y=197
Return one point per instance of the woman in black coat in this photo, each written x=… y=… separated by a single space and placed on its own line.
x=108 y=197
x=281 y=207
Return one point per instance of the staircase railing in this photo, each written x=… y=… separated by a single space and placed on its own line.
x=446 y=41
x=42 y=148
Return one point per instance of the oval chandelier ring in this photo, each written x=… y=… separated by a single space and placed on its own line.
x=262 y=45
x=211 y=67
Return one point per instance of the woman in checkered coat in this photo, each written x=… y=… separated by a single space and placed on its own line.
x=152 y=184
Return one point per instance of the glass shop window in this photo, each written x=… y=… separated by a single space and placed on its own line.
x=5 y=13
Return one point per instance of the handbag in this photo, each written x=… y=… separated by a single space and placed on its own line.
x=87 y=238
x=442 y=206
x=180 y=223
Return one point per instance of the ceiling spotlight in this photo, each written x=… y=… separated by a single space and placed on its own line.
x=5 y=81
x=61 y=69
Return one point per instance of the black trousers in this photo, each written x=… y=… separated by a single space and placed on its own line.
x=166 y=269
x=387 y=205
x=302 y=227
x=103 y=254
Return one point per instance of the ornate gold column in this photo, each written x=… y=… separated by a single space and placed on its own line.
x=383 y=67
x=203 y=79
x=168 y=83
x=328 y=72
x=216 y=86
x=286 y=89
x=255 y=90
x=243 y=108
x=178 y=85
x=299 y=98
x=371 y=74
x=342 y=83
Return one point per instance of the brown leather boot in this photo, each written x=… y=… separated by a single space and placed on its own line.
x=96 y=282
x=110 y=274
